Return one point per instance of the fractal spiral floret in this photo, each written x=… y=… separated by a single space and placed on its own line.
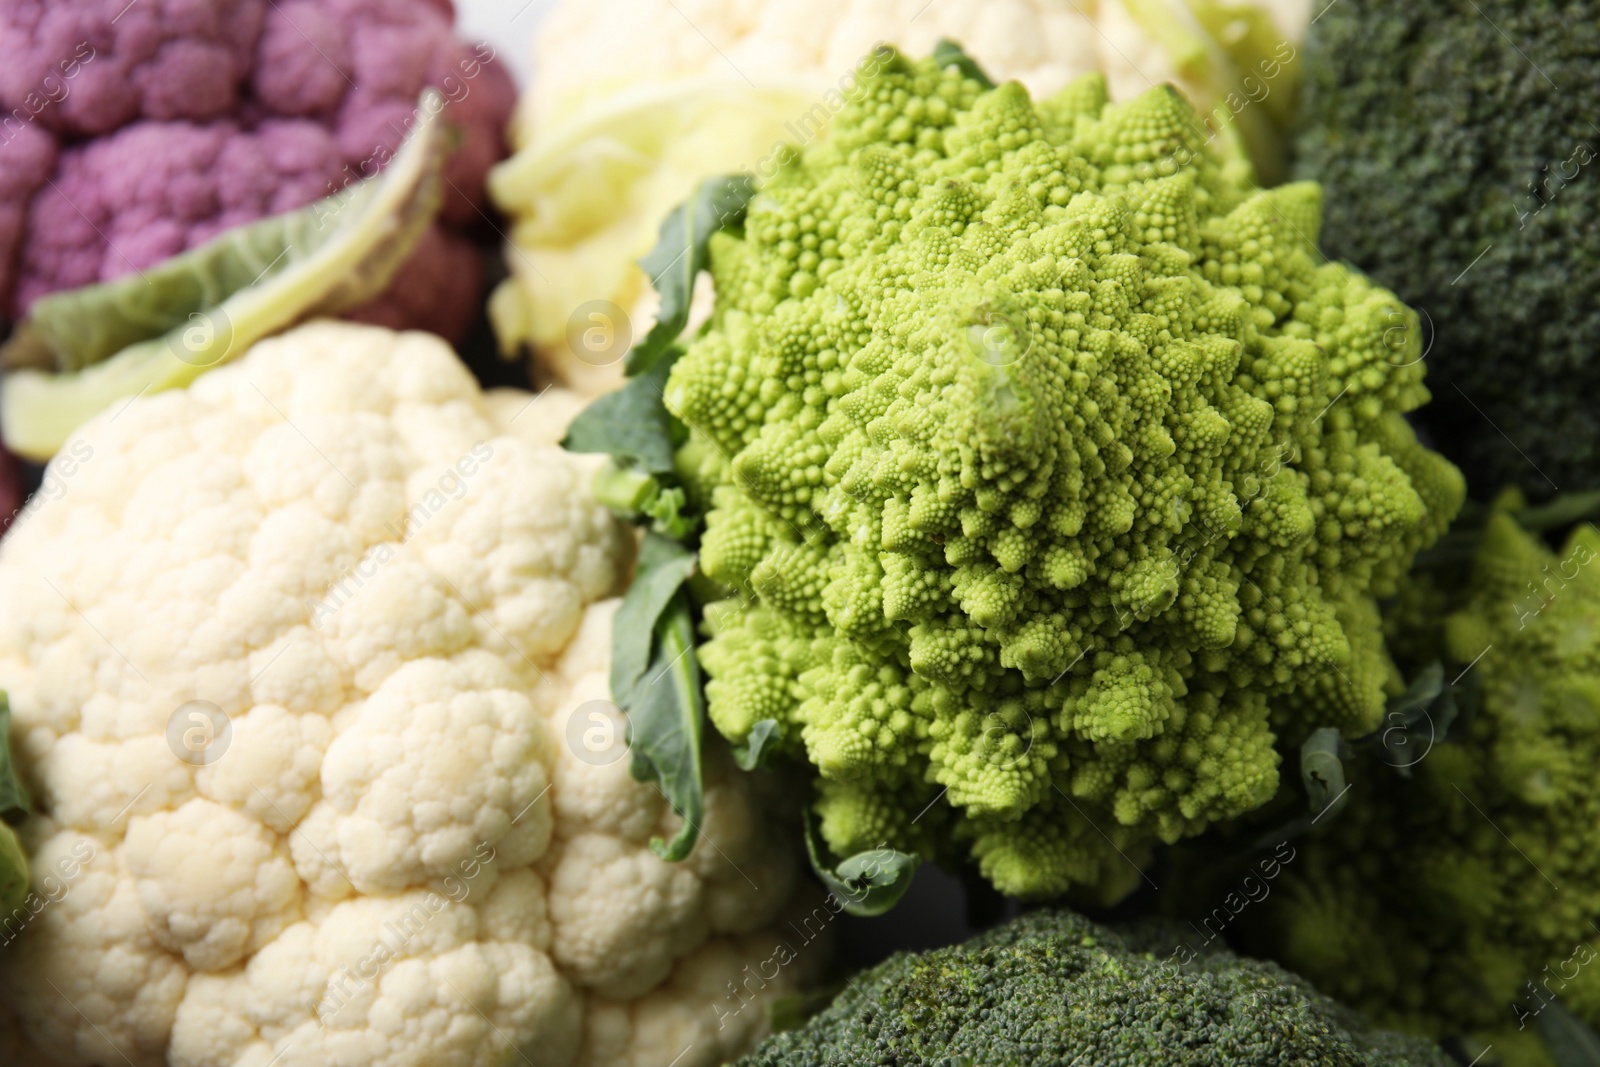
x=1460 y=899
x=1051 y=472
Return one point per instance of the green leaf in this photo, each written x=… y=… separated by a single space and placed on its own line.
x=679 y=256
x=163 y=328
x=13 y=810
x=866 y=884
x=1415 y=721
x=655 y=676
x=1422 y=692
x=634 y=428
x=758 y=745
x=631 y=425
x=662 y=569
x=14 y=807
x=949 y=54
x=666 y=717
x=1572 y=1043
x=13 y=871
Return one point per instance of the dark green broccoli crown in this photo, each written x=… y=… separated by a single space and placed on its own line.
x=1052 y=989
x=1458 y=147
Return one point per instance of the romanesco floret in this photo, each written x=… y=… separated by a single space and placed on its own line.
x=1056 y=471
x=1461 y=900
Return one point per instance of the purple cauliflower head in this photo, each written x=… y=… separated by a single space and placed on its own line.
x=134 y=131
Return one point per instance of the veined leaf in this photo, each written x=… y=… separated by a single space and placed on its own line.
x=1415 y=720
x=666 y=717
x=758 y=745
x=866 y=884
x=631 y=425
x=681 y=254
x=655 y=676
x=662 y=569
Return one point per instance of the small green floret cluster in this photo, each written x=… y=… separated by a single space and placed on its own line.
x=1052 y=476
x=1462 y=899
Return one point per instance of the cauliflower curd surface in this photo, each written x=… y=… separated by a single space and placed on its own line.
x=301 y=662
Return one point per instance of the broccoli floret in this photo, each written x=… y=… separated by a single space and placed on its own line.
x=1461 y=900
x=1454 y=141
x=1058 y=475
x=1052 y=989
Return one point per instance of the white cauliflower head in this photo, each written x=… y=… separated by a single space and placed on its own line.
x=293 y=661
x=633 y=102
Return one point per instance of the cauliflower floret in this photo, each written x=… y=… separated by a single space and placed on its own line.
x=432 y=763
x=292 y=664
x=275 y=775
x=385 y=981
x=732 y=976
x=214 y=885
x=625 y=941
x=90 y=955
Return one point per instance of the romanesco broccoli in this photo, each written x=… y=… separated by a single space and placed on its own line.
x=1052 y=475
x=1461 y=900
x=1052 y=988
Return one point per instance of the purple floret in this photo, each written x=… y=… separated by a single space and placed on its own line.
x=137 y=131
x=27 y=158
x=152 y=59
x=154 y=189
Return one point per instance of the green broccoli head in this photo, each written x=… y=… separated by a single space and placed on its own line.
x=1462 y=899
x=1056 y=476
x=1456 y=143
x=1054 y=988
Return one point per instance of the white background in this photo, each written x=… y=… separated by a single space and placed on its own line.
x=507 y=25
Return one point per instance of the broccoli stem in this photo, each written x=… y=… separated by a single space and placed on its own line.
x=625 y=490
